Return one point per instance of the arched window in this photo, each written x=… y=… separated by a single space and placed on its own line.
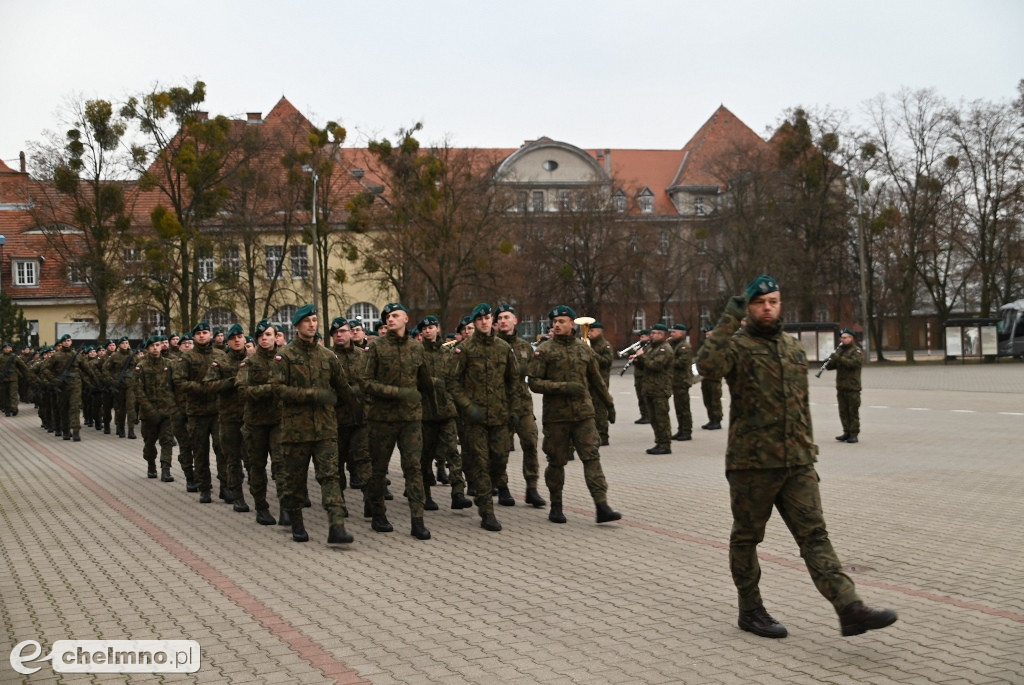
x=220 y=318
x=154 y=322
x=365 y=311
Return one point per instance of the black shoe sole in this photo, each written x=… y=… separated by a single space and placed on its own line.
x=861 y=628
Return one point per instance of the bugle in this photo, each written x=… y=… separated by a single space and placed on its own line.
x=642 y=344
x=827 y=360
x=630 y=350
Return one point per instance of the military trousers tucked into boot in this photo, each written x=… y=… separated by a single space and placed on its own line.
x=295 y=463
x=560 y=440
x=384 y=436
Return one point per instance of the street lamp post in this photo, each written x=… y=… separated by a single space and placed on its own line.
x=862 y=258
x=316 y=248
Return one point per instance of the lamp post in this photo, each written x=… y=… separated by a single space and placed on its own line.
x=862 y=258
x=316 y=248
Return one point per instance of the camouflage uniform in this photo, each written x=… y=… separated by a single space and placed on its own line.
x=154 y=388
x=711 y=393
x=655 y=365
x=847 y=361
x=310 y=380
x=568 y=416
x=261 y=423
x=201 y=410
x=771 y=454
x=117 y=370
x=440 y=440
x=641 y=399
x=522 y=407
x=485 y=384
x=395 y=378
x=179 y=420
x=682 y=376
x=353 y=438
x=63 y=373
x=11 y=369
x=222 y=377
x=605 y=356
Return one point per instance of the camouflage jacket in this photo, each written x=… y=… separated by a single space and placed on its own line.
x=769 y=412
x=559 y=362
x=846 y=361
x=523 y=401
x=117 y=369
x=310 y=379
x=656 y=365
x=682 y=371
x=257 y=388
x=352 y=410
x=222 y=377
x=12 y=366
x=190 y=374
x=65 y=367
x=439 y=361
x=154 y=388
x=605 y=356
x=485 y=374
x=396 y=363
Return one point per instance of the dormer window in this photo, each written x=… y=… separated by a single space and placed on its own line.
x=25 y=272
x=619 y=202
x=698 y=206
x=646 y=201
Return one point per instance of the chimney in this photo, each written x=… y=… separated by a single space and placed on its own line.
x=254 y=117
x=21 y=161
x=608 y=160
x=202 y=116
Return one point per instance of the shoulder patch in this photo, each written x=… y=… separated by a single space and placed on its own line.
x=241 y=365
x=458 y=350
x=277 y=358
x=536 y=353
x=214 y=364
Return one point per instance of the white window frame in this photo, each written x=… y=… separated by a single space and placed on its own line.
x=298 y=262
x=25 y=272
x=205 y=267
x=639 y=320
x=231 y=260
x=273 y=257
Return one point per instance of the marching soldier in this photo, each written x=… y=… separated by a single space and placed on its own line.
x=655 y=362
x=564 y=370
x=117 y=370
x=847 y=361
x=682 y=379
x=179 y=419
x=353 y=440
x=63 y=373
x=222 y=376
x=638 y=381
x=12 y=368
x=201 y=408
x=154 y=388
x=605 y=356
x=262 y=420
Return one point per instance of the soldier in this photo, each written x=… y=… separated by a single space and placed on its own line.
x=155 y=389
x=179 y=419
x=484 y=383
x=109 y=348
x=117 y=370
x=846 y=361
x=770 y=458
x=655 y=363
x=358 y=333
x=201 y=408
x=439 y=436
x=711 y=394
x=638 y=381
x=63 y=373
x=262 y=420
x=563 y=369
x=222 y=375
x=395 y=376
x=605 y=356
x=12 y=368
x=682 y=379
x=310 y=380
x=353 y=440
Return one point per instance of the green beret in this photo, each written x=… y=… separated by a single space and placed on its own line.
x=249 y=339
x=391 y=307
x=848 y=331
x=562 y=310
x=660 y=327
x=646 y=331
x=681 y=327
x=428 y=320
x=152 y=340
x=463 y=322
x=414 y=331
x=236 y=329
x=338 y=323
x=596 y=324
x=504 y=307
x=302 y=312
x=64 y=337
x=7 y=344
x=185 y=338
x=450 y=336
x=201 y=326
x=482 y=309
x=262 y=327
x=762 y=285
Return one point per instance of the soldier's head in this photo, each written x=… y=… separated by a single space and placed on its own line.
x=659 y=332
x=236 y=338
x=846 y=337
x=8 y=348
x=65 y=342
x=764 y=303
x=429 y=327
x=678 y=331
x=483 y=318
x=201 y=333
x=186 y=343
x=562 y=320
x=173 y=340
x=265 y=335
x=154 y=345
x=341 y=332
x=218 y=337
x=305 y=322
x=645 y=335
x=395 y=318
x=505 y=318
x=123 y=343
x=111 y=346
x=596 y=330
x=358 y=332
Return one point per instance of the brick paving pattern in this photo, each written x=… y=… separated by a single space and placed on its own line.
x=925 y=512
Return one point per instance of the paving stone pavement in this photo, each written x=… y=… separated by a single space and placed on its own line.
x=925 y=513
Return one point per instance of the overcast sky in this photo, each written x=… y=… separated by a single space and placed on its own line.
x=594 y=73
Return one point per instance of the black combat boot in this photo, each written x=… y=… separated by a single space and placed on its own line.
x=488 y=522
x=264 y=518
x=205 y=497
x=98 y=426
x=844 y=437
x=150 y=468
x=75 y=436
x=759 y=622
x=658 y=449
x=442 y=475
x=682 y=436
x=284 y=519
x=605 y=513
x=857 y=618
x=337 y=535
x=712 y=426
x=388 y=495
x=852 y=439
x=106 y=429
x=367 y=510
x=165 y=474
x=131 y=433
x=459 y=501
x=381 y=524
x=556 y=515
x=354 y=482
x=225 y=494
x=240 y=505
x=505 y=497
x=190 y=479
x=306 y=504
x=428 y=502
x=66 y=435
x=299 y=533
x=533 y=498
x=419 y=531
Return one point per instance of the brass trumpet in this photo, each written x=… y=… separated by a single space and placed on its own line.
x=584 y=322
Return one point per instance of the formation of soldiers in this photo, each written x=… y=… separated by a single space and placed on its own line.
x=233 y=404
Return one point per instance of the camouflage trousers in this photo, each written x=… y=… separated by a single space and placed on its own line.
x=179 y=427
x=202 y=429
x=295 y=471
x=261 y=441
x=9 y=394
x=157 y=430
x=527 y=432
x=353 y=453
x=120 y=407
x=408 y=435
x=711 y=391
x=640 y=397
x=440 y=443
x=657 y=408
x=600 y=418
x=849 y=410
x=560 y=439
x=69 y=406
x=486 y=452
x=794 y=492
x=681 y=402
x=236 y=458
